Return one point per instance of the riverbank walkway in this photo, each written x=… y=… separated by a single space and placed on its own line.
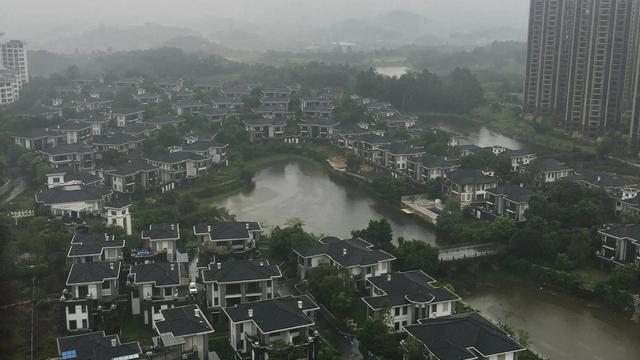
x=467 y=251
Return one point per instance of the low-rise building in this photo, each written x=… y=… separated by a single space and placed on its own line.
x=254 y=326
x=162 y=238
x=236 y=282
x=403 y=298
x=70 y=180
x=211 y=149
x=548 y=170
x=183 y=331
x=121 y=117
x=76 y=156
x=265 y=128
x=76 y=202
x=94 y=247
x=163 y=120
x=38 y=139
x=518 y=158
x=430 y=167
x=228 y=238
x=217 y=115
x=621 y=244
x=468 y=186
x=317 y=128
x=188 y=107
x=356 y=255
x=510 y=201
x=227 y=103
x=97 y=346
x=395 y=156
x=464 y=336
x=175 y=167
x=140 y=129
x=132 y=175
x=367 y=146
x=75 y=131
x=118 y=213
x=122 y=143
x=154 y=286
x=94 y=286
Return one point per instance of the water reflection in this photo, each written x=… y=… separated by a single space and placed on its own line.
x=297 y=189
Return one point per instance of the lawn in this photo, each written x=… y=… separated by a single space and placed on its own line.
x=592 y=276
x=134 y=329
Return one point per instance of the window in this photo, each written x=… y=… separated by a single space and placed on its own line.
x=404 y=310
x=73 y=324
x=215 y=286
x=84 y=324
x=215 y=301
x=502 y=357
x=397 y=311
x=106 y=285
x=168 y=291
x=72 y=309
x=396 y=326
x=84 y=309
x=445 y=307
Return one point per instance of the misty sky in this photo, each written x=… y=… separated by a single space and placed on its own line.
x=39 y=19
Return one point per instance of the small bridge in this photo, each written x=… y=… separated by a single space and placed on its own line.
x=468 y=251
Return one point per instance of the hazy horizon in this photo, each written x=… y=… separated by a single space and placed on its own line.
x=279 y=24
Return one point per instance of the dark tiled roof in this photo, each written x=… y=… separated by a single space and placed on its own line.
x=183 y=321
x=203 y=145
x=160 y=274
x=97 y=346
x=546 y=165
x=431 y=161
x=174 y=157
x=86 y=243
x=401 y=148
x=470 y=176
x=601 y=179
x=64 y=149
x=358 y=252
x=138 y=128
x=404 y=288
x=516 y=153
x=241 y=270
x=118 y=203
x=275 y=314
x=93 y=272
x=116 y=139
x=132 y=167
x=351 y=129
x=319 y=121
x=264 y=121
x=163 y=119
x=59 y=195
x=512 y=192
x=371 y=139
x=228 y=230
x=73 y=125
x=631 y=231
x=451 y=337
x=161 y=232
x=126 y=111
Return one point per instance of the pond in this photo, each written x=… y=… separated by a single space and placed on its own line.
x=304 y=190
x=561 y=327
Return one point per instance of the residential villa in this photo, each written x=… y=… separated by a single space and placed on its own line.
x=621 y=244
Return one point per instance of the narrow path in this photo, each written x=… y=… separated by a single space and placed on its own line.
x=19 y=186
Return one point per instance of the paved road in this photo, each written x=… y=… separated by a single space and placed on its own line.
x=19 y=185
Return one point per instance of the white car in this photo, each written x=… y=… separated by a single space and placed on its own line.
x=193 y=288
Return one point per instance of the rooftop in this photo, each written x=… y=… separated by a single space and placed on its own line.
x=96 y=346
x=462 y=337
x=174 y=157
x=93 y=272
x=275 y=314
x=183 y=321
x=227 y=231
x=92 y=244
x=132 y=167
x=406 y=288
x=60 y=195
x=161 y=232
x=470 y=176
x=241 y=270
x=65 y=149
x=347 y=253
x=512 y=192
x=160 y=274
x=631 y=231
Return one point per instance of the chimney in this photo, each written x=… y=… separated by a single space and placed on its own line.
x=389 y=277
x=173 y=227
x=521 y=185
x=250 y=313
x=344 y=252
x=247 y=226
x=112 y=266
x=598 y=179
x=106 y=237
x=300 y=304
x=261 y=263
x=114 y=342
x=209 y=228
x=219 y=266
x=173 y=266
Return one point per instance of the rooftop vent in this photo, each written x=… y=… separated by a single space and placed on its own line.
x=173 y=267
x=114 y=342
x=344 y=252
x=173 y=227
x=250 y=313
x=261 y=263
x=219 y=265
x=300 y=304
x=247 y=226
x=208 y=228
x=111 y=266
x=389 y=277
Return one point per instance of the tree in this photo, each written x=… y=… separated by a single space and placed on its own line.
x=412 y=349
x=187 y=204
x=376 y=340
x=378 y=232
x=329 y=353
x=502 y=229
x=354 y=162
x=283 y=240
x=417 y=255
